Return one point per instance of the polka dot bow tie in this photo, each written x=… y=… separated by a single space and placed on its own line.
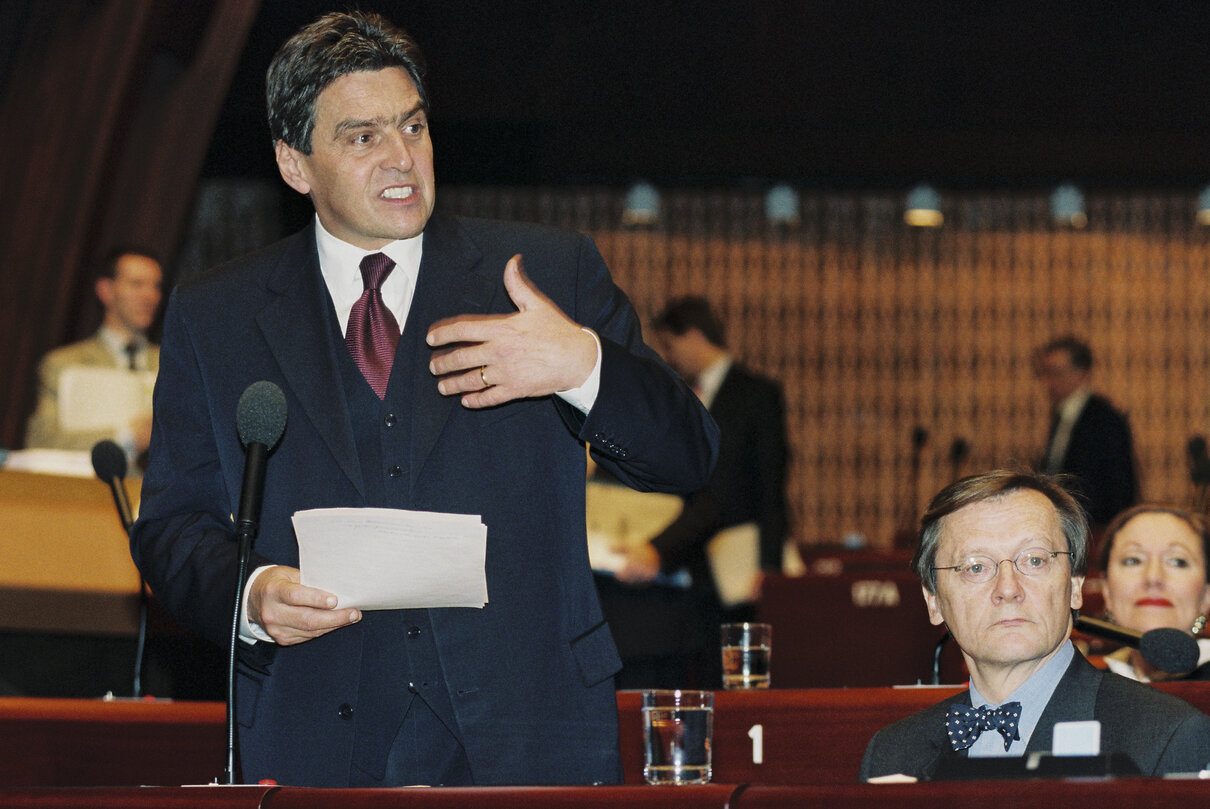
x=965 y=724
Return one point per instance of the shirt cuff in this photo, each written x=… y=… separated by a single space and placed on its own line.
x=585 y=396
x=249 y=631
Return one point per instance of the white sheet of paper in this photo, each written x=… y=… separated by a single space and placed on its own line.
x=388 y=559
x=92 y=398
x=1076 y=738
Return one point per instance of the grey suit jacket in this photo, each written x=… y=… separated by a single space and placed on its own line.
x=43 y=428
x=1160 y=733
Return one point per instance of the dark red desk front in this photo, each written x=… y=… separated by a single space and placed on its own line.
x=778 y=736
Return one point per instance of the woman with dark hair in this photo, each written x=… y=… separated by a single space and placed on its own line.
x=1156 y=575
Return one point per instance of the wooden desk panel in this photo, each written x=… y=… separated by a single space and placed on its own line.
x=1136 y=793
x=76 y=742
x=809 y=736
x=64 y=559
x=705 y=796
x=204 y=797
x=860 y=628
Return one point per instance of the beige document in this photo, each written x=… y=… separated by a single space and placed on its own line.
x=388 y=559
x=619 y=517
x=103 y=398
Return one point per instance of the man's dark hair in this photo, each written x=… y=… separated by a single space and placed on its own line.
x=333 y=46
x=682 y=314
x=991 y=486
x=107 y=264
x=1078 y=352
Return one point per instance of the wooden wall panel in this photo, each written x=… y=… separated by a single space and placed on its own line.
x=876 y=329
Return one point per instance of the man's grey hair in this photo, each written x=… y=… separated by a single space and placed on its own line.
x=992 y=486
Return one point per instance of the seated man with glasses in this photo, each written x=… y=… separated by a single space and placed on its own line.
x=1001 y=558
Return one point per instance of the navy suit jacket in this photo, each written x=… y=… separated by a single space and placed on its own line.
x=529 y=676
x=749 y=481
x=1160 y=733
x=1100 y=455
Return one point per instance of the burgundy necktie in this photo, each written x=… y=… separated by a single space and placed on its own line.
x=373 y=332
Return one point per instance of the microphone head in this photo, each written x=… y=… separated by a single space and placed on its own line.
x=1169 y=650
x=260 y=415
x=108 y=461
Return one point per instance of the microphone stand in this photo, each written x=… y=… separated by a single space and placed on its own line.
x=113 y=472
x=937 y=657
x=244 y=541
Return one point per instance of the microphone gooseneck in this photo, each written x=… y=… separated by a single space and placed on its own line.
x=260 y=420
x=109 y=462
x=1166 y=649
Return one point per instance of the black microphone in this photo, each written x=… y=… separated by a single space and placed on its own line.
x=1167 y=649
x=959 y=450
x=1198 y=460
x=920 y=437
x=109 y=462
x=260 y=419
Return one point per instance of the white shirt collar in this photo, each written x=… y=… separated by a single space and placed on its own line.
x=116 y=343
x=711 y=379
x=1069 y=409
x=340 y=264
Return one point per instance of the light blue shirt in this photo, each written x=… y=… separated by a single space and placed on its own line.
x=1033 y=694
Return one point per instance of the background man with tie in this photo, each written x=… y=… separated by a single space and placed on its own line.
x=128 y=286
x=671 y=639
x=494 y=386
x=1001 y=559
x=1089 y=438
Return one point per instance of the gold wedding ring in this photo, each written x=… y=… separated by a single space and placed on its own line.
x=483 y=375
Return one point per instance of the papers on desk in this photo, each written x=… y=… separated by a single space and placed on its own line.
x=92 y=398
x=65 y=462
x=388 y=559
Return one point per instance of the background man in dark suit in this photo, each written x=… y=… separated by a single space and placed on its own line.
x=748 y=486
x=484 y=409
x=1089 y=439
x=1001 y=559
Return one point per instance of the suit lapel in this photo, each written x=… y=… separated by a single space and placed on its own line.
x=452 y=281
x=1073 y=699
x=939 y=738
x=296 y=325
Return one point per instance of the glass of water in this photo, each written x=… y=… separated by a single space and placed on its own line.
x=677 y=730
x=747 y=654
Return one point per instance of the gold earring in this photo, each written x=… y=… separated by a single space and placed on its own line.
x=1199 y=623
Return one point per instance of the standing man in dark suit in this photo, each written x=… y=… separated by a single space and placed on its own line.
x=748 y=484
x=1001 y=559
x=475 y=393
x=1089 y=439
